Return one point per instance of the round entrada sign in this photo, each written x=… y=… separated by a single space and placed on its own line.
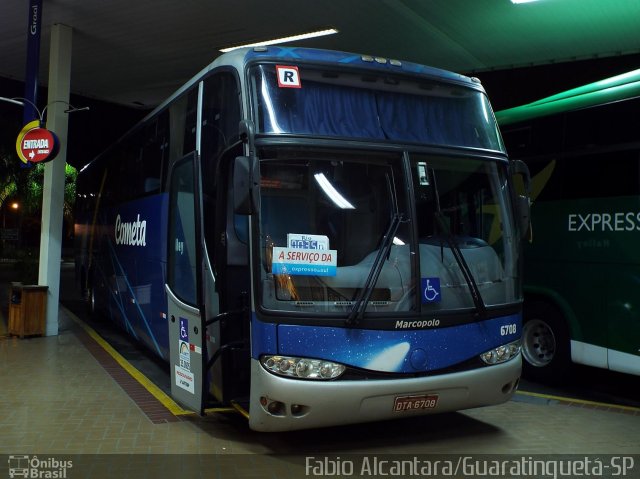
x=36 y=144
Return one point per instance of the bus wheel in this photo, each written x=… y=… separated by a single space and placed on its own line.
x=545 y=343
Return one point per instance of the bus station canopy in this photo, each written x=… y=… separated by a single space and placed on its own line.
x=137 y=53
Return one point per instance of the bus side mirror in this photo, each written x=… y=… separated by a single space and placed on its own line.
x=245 y=195
x=523 y=211
x=522 y=181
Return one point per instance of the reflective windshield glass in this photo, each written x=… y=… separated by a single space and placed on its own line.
x=368 y=105
x=462 y=204
x=323 y=220
x=337 y=229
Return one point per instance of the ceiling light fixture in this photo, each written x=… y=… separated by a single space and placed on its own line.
x=522 y=1
x=293 y=38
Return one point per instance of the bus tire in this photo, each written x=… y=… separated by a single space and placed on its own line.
x=91 y=302
x=545 y=343
x=83 y=283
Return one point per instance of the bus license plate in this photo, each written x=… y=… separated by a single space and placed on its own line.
x=411 y=403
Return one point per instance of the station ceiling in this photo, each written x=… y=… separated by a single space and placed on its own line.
x=136 y=53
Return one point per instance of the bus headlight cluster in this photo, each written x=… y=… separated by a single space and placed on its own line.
x=501 y=353
x=302 y=368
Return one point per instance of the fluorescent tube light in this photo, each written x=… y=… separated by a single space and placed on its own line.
x=293 y=38
x=332 y=193
x=523 y=1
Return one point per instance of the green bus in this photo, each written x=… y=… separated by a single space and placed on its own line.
x=582 y=263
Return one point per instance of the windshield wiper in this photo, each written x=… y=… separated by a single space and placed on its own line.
x=364 y=294
x=383 y=253
x=464 y=267
x=481 y=309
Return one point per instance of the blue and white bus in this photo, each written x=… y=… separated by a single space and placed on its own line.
x=315 y=237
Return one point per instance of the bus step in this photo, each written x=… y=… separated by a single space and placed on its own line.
x=241 y=405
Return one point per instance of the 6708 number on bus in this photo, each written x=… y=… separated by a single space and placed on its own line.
x=412 y=403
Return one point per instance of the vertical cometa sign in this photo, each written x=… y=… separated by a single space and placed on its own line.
x=36 y=144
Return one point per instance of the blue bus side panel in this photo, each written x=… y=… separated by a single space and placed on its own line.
x=389 y=351
x=132 y=269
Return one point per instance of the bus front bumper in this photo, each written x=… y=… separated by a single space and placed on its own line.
x=283 y=404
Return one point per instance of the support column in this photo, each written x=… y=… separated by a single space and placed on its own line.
x=54 y=172
x=33 y=61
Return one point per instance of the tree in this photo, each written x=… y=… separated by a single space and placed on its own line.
x=31 y=192
x=23 y=184
x=9 y=162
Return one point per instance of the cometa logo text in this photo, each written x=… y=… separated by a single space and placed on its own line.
x=131 y=234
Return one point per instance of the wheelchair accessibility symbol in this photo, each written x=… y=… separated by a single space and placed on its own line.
x=184 y=330
x=431 y=290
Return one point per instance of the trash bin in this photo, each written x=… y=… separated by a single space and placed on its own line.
x=27 y=309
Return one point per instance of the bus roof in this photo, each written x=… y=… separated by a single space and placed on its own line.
x=241 y=56
x=619 y=87
x=329 y=57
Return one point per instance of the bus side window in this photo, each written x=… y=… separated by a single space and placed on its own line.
x=123 y=165
x=190 y=122
x=220 y=116
x=154 y=147
x=182 y=121
x=219 y=130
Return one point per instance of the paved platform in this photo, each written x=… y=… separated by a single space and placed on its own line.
x=72 y=396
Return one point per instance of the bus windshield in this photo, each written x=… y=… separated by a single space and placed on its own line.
x=374 y=106
x=324 y=218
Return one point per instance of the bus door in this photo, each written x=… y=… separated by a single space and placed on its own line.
x=187 y=348
x=229 y=242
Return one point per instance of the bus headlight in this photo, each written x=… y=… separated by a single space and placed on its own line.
x=502 y=353
x=302 y=368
